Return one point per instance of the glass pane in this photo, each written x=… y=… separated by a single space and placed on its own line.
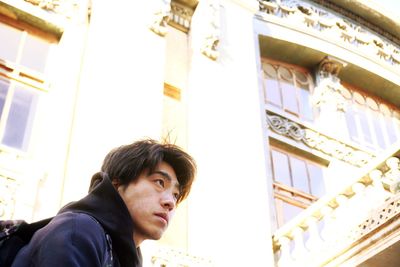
x=306 y=107
x=9 y=49
x=366 y=131
x=316 y=180
x=273 y=94
x=299 y=175
x=390 y=128
x=34 y=54
x=289 y=97
x=351 y=124
x=19 y=122
x=281 y=168
x=376 y=119
x=290 y=211
x=3 y=94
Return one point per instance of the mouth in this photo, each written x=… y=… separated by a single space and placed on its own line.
x=163 y=216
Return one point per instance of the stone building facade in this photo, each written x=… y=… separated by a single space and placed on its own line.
x=290 y=107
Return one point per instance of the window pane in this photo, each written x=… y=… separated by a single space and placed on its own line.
x=3 y=94
x=281 y=167
x=34 y=54
x=351 y=124
x=306 y=107
x=9 y=48
x=316 y=180
x=289 y=97
x=299 y=175
x=390 y=128
x=366 y=131
x=290 y=211
x=273 y=94
x=19 y=122
x=378 y=129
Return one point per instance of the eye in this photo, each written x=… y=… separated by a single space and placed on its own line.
x=176 y=196
x=160 y=182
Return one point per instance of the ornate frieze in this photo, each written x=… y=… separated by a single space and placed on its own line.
x=333 y=26
x=318 y=141
x=328 y=90
x=212 y=36
x=161 y=17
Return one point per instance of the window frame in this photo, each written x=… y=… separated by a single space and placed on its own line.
x=302 y=114
x=25 y=78
x=290 y=194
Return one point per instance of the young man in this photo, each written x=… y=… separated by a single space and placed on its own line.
x=132 y=199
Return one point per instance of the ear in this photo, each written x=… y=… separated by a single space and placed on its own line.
x=116 y=183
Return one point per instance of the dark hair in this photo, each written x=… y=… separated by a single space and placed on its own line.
x=127 y=162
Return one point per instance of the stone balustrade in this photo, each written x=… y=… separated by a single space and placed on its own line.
x=335 y=222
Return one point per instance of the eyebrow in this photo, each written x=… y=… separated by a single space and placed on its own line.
x=168 y=177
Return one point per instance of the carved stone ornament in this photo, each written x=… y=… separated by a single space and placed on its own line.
x=328 y=90
x=318 y=141
x=285 y=127
x=161 y=17
x=180 y=15
x=212 y=37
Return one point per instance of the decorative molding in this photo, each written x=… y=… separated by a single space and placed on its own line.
x=318 y=141
x=161 y=17
x=180 y=17
x=328 y=90
x=331 y=5
x=212 y=37
x=323 y=21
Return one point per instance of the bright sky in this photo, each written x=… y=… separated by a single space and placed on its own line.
x=393 y=6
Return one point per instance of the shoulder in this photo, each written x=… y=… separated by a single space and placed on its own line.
x=75 y=226
x=70 y=239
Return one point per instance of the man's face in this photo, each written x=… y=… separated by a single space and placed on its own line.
x=151 y=201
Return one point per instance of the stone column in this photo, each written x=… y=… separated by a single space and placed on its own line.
x=121 y=87
x=228 y=209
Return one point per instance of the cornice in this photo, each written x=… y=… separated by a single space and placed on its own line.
x=324 y=23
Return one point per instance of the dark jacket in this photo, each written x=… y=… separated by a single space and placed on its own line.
x=75 y=238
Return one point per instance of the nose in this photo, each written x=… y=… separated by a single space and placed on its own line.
x=168 y=201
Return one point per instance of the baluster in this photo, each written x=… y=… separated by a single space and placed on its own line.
x=285 y=259
x=299 y=250
x=378 y=194
x=314 y=240
x=329 y=223
x=358 y=203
